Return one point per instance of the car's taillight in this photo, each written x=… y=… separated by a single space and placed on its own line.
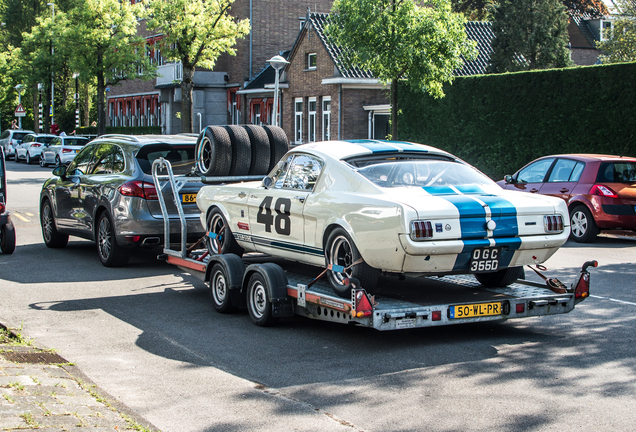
x=603 y=191
x=1 y=207
x=36 y=145
x=421 y=230
x=553 y=223
x=139 y=189
x=67 y=150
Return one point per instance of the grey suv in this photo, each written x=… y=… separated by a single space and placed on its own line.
x=106 y=194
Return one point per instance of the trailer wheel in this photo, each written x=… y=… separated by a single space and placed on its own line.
x=502 y=278
x=258 y=304
x=261 y=152
x=214 y=152
x=278 y=143
x=7 y=238
x=217 y=224
x=220 y=289
x=340 y=250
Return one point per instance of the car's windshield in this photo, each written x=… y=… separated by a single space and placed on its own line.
x=75 y=142
x=181 y=157
x=617 y=172
x=422 y=173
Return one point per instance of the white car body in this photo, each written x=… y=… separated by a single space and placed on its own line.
x=62 y=150
x=299 y=215
x=31 y=147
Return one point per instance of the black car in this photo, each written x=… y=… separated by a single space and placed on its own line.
x=106 y=194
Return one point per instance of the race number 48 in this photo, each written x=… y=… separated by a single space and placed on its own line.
x=282 y=221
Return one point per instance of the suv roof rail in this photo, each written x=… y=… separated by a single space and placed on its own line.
x=120 y=136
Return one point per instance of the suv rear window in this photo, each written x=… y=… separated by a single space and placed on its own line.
x=181 y=157
x=19 y=135
x=617 y=172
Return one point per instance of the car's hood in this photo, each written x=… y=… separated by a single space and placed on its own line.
x=514 y=213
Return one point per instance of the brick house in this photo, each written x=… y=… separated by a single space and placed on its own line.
x=274 y=27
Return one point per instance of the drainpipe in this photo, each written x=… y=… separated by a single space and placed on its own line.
x=370 y=136
x=251 y=32
x=340 y=111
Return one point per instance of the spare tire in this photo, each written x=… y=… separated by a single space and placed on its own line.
x=214 y=152
x=261 y=152
x=241 y=150
x=278 y=143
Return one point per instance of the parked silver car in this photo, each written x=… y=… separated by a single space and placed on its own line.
x=31 y=147
x=106 y=194
x=11 y=138
x=62 y=150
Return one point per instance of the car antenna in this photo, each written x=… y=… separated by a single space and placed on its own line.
x=626 y=144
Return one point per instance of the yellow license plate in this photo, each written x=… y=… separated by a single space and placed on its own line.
x=475 y=310
x=188 y=198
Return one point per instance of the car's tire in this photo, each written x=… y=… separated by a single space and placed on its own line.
x=15 y=157
x=58 y=161
x=261 y=152
x=7 y=238
x=217 y=224
x=41 y=162
x=220 y=289
x=583 y=228
x=29 y=161
x=214 y=152
x=340 y=250
x=501 y=278
x=50 y=234
x=109 y=252
x=259 y=306
x=278 y=143
x=241 y=150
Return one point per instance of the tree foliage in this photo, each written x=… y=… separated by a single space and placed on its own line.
x=401 y=40
x=195 y=32
x=479 y=10
x=529 y=34
x=620 y=45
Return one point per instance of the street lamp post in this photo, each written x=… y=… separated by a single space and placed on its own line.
x=52 y=73
x=277 y=62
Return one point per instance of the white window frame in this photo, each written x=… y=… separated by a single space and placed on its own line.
x=326 y=118
x=309 y=57
x=311 y=119
x=298 y=120
x=611 y=25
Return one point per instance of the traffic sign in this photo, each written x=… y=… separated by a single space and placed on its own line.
x=20 y=111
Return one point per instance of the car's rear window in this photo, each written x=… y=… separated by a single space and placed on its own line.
x=181 y=157
x=617 y=172
x=45 y=140
x=75 y=142
x=19 y=135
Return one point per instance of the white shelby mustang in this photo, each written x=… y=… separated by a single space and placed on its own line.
x=385 y=206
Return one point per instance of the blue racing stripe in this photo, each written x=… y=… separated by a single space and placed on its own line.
x=470 y=189
x=440 y=190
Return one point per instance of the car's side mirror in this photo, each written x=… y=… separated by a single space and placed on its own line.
x=509 y=179
x=60 y=171
x=267 y=182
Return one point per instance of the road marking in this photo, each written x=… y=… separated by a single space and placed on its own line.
x=614 y=300
x=29 y=214
x=19 y=216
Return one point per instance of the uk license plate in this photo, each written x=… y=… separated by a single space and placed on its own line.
x=475 y=310
x=188 y=198
x=484 y=260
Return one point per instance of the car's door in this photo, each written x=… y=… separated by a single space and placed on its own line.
x=276 y=213
x=51 y=150
x=20 y=149
x=69 y=207
x=531 y=177
x=563 y=177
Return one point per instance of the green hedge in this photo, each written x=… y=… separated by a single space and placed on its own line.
x=133 y=130
x=501 y=122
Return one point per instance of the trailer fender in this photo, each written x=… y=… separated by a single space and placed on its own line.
x=276 y=285
x=234 y=269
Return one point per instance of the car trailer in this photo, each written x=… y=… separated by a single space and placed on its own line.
x=269 y=292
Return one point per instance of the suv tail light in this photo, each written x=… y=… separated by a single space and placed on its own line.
x=139 y=189
x=603 y=191
x=421 y=230
x=553 y=223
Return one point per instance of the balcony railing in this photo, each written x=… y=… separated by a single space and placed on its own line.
x=169 y=73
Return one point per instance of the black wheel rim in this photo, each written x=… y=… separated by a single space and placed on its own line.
x=205 y=155
x=216 y=226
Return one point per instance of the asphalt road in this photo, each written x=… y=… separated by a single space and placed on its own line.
x=148 y=335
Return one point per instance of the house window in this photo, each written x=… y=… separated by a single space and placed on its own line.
x=326 y=118
x=298 y=126
x=606 y=29
x=256 y=114
x=233 y=106
x=311 y=61
x=311 y=121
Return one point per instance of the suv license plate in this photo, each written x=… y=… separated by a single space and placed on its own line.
x=484 y=260
x=188 y=198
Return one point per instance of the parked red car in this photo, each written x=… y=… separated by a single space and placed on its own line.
x=600 y=190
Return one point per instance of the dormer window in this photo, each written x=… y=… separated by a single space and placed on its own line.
x=311 y=61
x=606 y=29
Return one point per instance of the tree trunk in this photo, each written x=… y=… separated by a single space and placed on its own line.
x=186 y=99
x=394 y=109
x=36 y=111
x=87 y=105
x=101 y=107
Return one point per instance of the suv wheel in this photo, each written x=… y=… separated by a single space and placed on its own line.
x=110 y=253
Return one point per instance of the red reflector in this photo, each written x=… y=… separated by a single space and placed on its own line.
x=602 y=190
x=521 y=307
x=436 y=315
x=583 y=287
x=133 y=239
x=2 y=208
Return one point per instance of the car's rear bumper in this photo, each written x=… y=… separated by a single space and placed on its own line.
x=613 y=213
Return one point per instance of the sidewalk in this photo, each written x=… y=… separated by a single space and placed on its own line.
x=41 y=390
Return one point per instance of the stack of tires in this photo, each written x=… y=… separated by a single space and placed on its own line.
x=239 y=150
